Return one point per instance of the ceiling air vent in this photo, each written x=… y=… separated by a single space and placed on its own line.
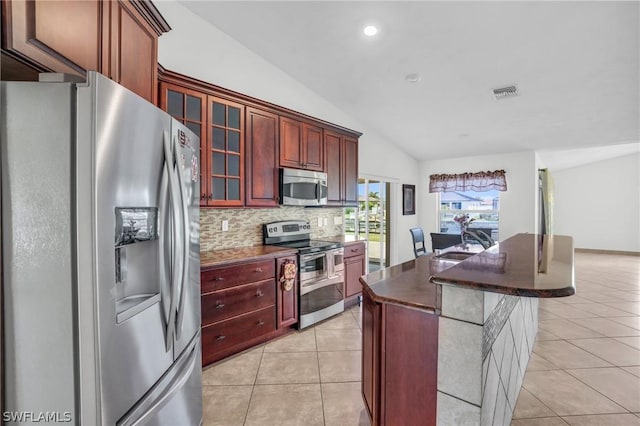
x=505 y=92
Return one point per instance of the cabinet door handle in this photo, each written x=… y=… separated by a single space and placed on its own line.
x=258 y=269
x=220 y=338
x=219 y=305
x=260 y=322
x=219 y=279
x=259 y=293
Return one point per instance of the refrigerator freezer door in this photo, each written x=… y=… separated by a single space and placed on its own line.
x=176 y=399
x=127 y=170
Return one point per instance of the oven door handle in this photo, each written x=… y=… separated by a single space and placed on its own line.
x=308 y=257
x=305 y=288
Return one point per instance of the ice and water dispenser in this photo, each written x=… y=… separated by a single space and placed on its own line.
x=136 y=260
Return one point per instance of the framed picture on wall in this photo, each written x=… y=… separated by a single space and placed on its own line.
x=408 y=199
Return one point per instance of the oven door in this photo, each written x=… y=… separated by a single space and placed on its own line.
x=320 y=300
x=313 y=267
x=335 y=261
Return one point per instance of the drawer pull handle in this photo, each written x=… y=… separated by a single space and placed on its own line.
x=260 y=322
x=258 y=269
x=219 y=305
x=259 y=293
x=219 y=279
x=220 y=338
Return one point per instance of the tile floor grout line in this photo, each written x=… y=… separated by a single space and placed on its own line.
x=324 y=421
x=596 y=390
x=253 y=388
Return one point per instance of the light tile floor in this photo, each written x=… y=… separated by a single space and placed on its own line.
x=585 y=369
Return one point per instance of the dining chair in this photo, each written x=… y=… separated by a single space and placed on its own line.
x=441 y=241
x=417 y=236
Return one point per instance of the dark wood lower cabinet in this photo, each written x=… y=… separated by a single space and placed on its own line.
x=244 y=304
x=397 y=342
x=226 y=336
x=287 y=299
x=371 y=356
x=354 y=267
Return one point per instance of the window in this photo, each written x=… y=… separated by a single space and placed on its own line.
x=483 y=206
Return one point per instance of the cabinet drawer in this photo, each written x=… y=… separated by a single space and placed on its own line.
x=230 y=302
x=353 y=250
x=226 y=334
x=220 y=278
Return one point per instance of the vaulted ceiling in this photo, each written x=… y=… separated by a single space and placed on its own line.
x=575 y=65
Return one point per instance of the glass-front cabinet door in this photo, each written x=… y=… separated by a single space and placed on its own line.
x=225 y=152
x=190 y=108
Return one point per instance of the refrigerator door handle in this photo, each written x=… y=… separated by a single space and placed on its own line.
x=185 y=242
x=174 y=194
x=164 y=240
x=165 y=388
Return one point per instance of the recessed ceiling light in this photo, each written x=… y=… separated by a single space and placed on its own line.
x=370 y=30
x=413 y=77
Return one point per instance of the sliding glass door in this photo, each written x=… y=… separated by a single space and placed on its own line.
x=370 y=221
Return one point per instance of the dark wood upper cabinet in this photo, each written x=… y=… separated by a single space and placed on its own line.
x=350 y=170
x=290 y=143
x=116 y=38
x=244 y=141
x=62 y=36
x=313 y=147
x=225 y=153
x=261 y=170
x=301 y=145
x=133 y=50
x=341 y=155
x=189 y=107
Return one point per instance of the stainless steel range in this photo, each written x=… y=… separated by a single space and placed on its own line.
x=321 y=269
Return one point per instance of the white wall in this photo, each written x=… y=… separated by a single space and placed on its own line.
x=598 y=204
x=518 y=205
x=196 y=48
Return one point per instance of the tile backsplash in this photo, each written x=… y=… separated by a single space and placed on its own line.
x=245 y=225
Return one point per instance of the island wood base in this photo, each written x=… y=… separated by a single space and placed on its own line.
x=399 y=364
x=463 y=368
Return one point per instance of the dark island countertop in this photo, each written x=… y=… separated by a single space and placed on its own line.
x=523 y=265
x=215 y=258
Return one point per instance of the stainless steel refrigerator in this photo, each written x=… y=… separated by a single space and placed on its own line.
x=100 y=257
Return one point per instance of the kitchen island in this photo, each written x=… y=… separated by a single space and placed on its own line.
x=447 y=338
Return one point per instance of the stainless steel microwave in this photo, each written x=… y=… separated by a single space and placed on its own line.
x=302 y=188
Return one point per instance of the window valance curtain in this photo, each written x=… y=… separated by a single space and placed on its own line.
x=479 y=181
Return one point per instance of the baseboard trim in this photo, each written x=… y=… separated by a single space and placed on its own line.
x=598 y=251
